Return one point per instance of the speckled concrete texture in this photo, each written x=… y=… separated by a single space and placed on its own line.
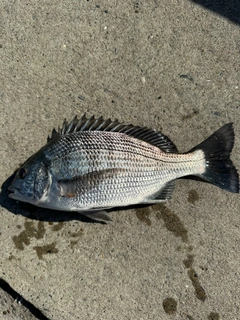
x=169 y=65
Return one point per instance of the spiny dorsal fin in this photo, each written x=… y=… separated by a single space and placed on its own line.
x=92 y=124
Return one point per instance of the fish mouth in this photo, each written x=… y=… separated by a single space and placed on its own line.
x=15 y=194
x=10 y=188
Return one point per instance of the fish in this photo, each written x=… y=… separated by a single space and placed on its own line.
x=90 y=165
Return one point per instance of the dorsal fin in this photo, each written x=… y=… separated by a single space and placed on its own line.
x=92 y=124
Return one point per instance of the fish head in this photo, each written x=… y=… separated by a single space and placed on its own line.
x=32 y=181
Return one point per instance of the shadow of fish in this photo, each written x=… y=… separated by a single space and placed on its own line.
x=90 y=165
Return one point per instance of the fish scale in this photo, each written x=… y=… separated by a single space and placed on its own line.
x=91 y=164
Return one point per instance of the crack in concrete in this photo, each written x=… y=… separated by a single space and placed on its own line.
x=19 y=299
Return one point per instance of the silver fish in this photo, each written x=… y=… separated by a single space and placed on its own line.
x=90 y=165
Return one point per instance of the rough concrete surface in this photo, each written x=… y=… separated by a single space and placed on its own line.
x=12 y=309
x=169 y=65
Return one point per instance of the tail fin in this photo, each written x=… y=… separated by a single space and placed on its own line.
x=220 y=170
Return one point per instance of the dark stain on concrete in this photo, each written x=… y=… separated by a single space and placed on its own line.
x=170 y=305
x=214 y=316
x=143 y=215
x=172 y=222
x=189 y=261
x=30 y=232
x=193 y=196
x=40 y=231
x=24 y=236
x=199 y=291
x=45 y=249
x=57 y=226
x=175 y=225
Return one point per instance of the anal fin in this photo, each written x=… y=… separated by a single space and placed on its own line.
x=98 y=215
x=163 y=194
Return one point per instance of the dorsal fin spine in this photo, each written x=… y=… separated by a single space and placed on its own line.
x=92 y=124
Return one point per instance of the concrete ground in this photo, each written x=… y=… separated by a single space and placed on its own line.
x=168 y=65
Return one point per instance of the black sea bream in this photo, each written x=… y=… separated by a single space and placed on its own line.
x=90 y=165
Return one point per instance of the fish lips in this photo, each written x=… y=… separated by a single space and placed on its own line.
x=15 y=194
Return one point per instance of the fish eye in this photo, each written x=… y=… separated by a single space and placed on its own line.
x=22 y=173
